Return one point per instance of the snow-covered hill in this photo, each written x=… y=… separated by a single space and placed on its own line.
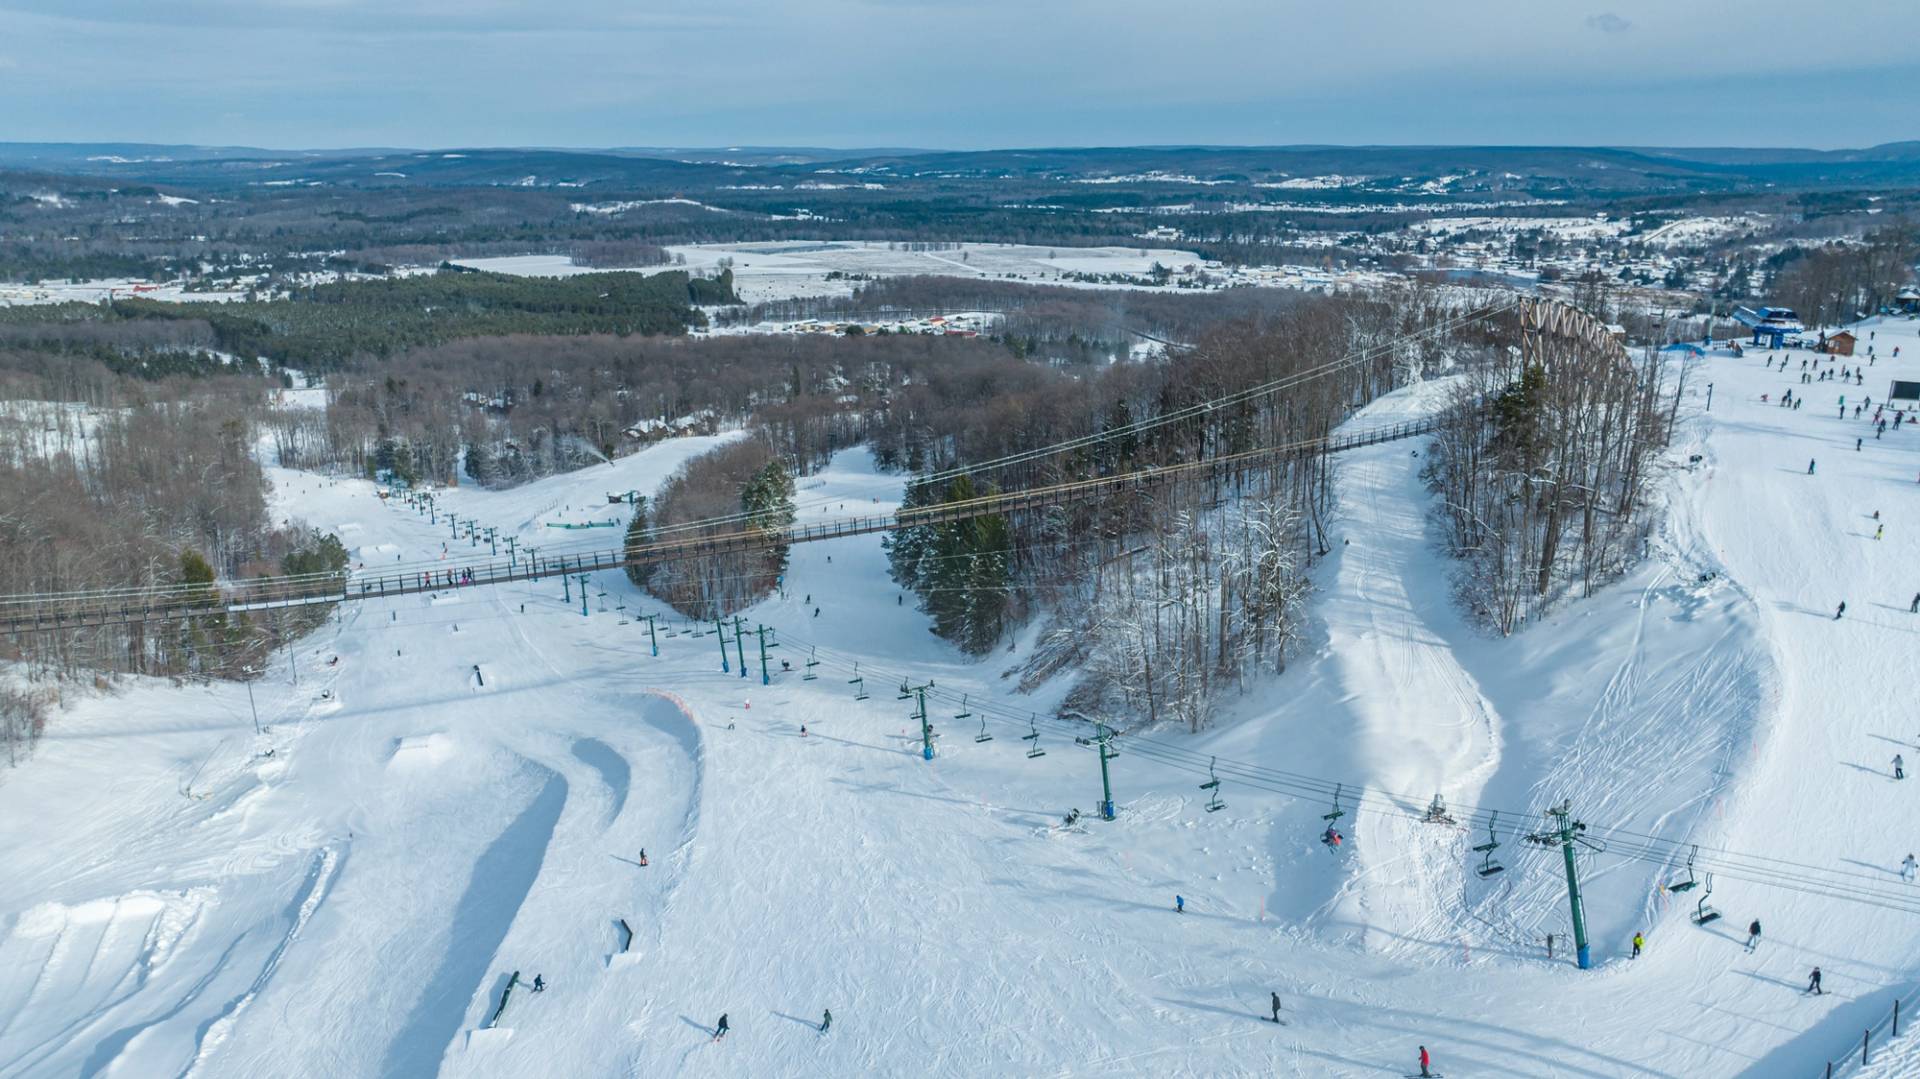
x=465 y=793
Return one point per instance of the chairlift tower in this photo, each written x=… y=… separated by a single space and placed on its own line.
x=1566 y=832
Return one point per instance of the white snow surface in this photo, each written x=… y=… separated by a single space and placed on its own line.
x=466 y=792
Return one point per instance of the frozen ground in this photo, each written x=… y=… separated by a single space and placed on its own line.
x=467 y=791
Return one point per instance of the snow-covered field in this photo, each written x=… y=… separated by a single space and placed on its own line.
x=788 y=269
x=466 y=792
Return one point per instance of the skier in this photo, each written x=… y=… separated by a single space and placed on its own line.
x=1879 y=530
x=1276 y=1006
x=1330 y=837
x=1856 y=444
x=720 y=1031
x=1426 y=1062
x=1810 y=466
x=1841 y=611
x=1906 y=868
x=1639 y=942
x=1179 y=904
x=826 y=1019
x=1899 y=767
x=1753 y=934
x=539 y=984
x=1813 y=983
x=816 y=612
x=803 y=730
x=1915 y=609
x=643 y=857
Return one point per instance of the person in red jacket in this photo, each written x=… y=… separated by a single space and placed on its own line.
x=1425 y=1062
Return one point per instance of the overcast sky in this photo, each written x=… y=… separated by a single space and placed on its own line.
x=962 y=74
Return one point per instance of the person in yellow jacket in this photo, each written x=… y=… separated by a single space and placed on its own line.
x=1639 y=942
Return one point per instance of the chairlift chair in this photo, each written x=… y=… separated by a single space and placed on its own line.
x=1690 y=883
x=1488 y=867
x=812 y=662
x=905 y=693
x=1212 y=787
x=1703 y=913
x=1034 y=737
x=1337 y=811
x=859 y=684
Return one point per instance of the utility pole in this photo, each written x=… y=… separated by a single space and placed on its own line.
x=740 y=643
x=1565 y=833
x=655 y=641
x=583 y=595
x=926 y=727
x=720 y=634
x=566 y=585
x=1709 y=397
x=493 y=548
x=511 y=561
x=1100 y=740
x=454 y=524
x=765 y=678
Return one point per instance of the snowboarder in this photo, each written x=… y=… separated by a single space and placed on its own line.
x=1813 y=983
x=1841 y=611
x=1639 y=942
x=826 y=1019
x=1899 y=767
x=1879 y=530
x=1753 y=934
x=539 y=984
x=1907 y=868
x=720 y=1029
x=1179 y=904
x=1073 y=817
x=643 y=857
x=1426 y=1062
x=1276 y=1006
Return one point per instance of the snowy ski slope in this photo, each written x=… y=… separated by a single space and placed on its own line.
x=175 y=901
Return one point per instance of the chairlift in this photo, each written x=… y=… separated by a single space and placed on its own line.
x=1704 y=913
x=983 y=736
x=812 y=662
x=963 y=713
x=1337 y=811
x=905 y=693
x=1690 y=883
x=1488 y=867
x=1033 y=725
x=1212 y=787
x=1437 y=812
x=858 y=683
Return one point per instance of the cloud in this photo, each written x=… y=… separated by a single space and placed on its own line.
x=1608 y=23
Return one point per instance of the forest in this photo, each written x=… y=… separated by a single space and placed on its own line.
x=327 y=326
